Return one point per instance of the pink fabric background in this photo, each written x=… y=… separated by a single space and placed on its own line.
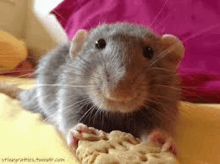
x=196 y=23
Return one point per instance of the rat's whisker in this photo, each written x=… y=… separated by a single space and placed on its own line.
x=26 y=75
x=161 y=85
x=162 y=69
x=201 y=32
x=87 y=112
x=162 y=114
x=162 y=97
x=151 y=99
x=80 y=101
x=60 y=16
x=158 y=13
x=59 y=85
x=65 y=109
x=49 y=118
x=96 y=113
x=181 y=90
x=164 y=53
x=74 y=73
x=85 y=63
x=102 y=114
x=80 y=106
x=14 y=71
x=161 y=23
x=150 y=109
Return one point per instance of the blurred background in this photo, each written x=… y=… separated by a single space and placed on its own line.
x=29 y=20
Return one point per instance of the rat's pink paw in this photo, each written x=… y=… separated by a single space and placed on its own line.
x=74 y=134
x=166 y=141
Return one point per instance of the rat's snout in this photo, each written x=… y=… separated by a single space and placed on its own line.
x=114 y=85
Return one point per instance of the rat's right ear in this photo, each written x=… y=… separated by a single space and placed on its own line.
x=77 y=42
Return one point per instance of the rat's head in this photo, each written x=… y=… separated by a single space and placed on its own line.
x=122 y=63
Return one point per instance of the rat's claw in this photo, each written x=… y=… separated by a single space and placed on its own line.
x=74 y=134
x=166 y=141
x=170 y=145
x=73 y=137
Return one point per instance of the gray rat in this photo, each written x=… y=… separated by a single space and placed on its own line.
x=115 y=77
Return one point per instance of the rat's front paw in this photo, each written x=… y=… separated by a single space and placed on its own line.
x=74 y=134
x=165 y=140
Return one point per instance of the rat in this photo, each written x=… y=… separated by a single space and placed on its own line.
x=114 y=77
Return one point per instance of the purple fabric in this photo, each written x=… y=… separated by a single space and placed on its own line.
x=196 y=23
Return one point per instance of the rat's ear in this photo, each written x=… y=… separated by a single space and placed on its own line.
x=77 y=42
x=174 y=49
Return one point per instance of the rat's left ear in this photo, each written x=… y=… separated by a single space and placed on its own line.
x=174 y=49
x=77 y=42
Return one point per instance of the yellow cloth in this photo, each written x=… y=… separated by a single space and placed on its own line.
x=12 y=51
x=24 y=135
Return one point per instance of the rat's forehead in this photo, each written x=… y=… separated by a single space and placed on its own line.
x=121 y=28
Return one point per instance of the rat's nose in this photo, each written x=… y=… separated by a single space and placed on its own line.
x=113 y=77
x=116 y=88
x=110 y=78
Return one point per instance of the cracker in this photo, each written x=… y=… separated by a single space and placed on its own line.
x=120 y=148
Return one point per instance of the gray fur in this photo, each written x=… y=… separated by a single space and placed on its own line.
x=62 y=101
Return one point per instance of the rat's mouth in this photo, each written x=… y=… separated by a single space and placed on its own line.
x=120 y=98
x=118 y=94
x=117 y=104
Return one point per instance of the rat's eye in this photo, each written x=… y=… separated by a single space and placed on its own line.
x=148 y=52
x=100 y=44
